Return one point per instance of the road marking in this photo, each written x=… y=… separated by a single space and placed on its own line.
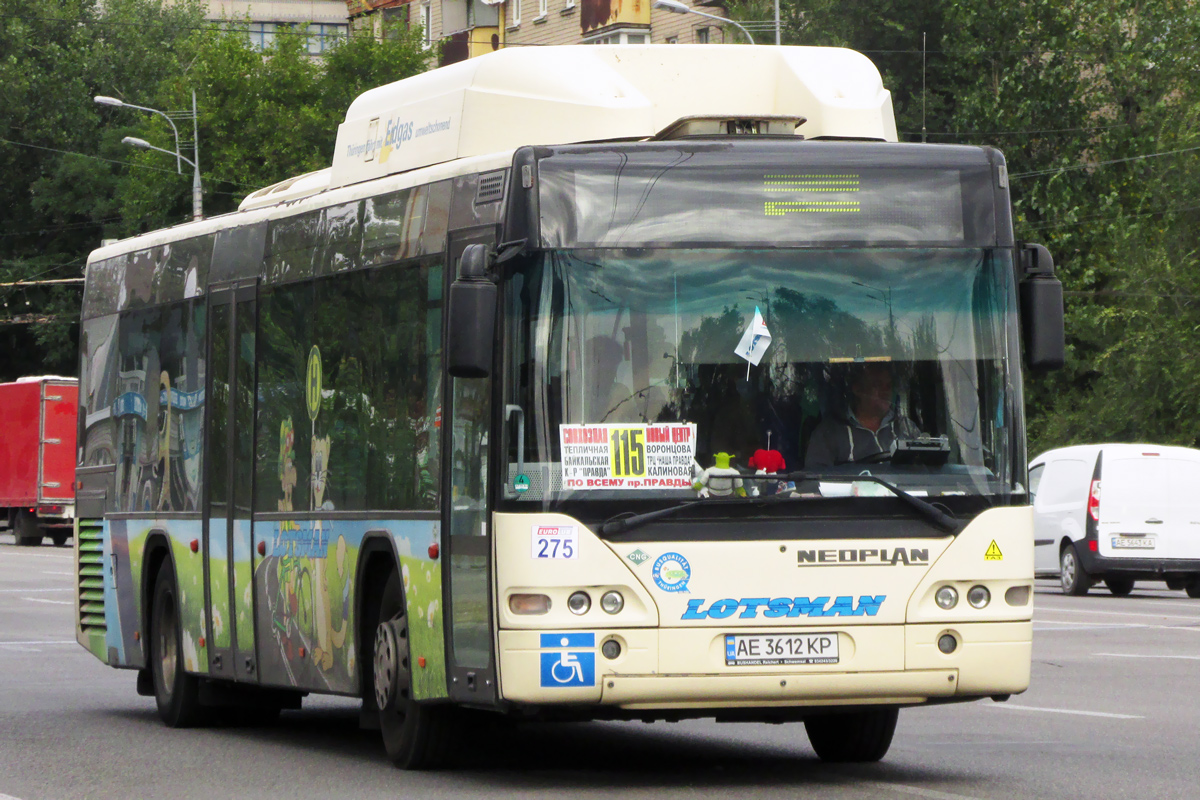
x=8 y=797
x=64 y=557
x=47 y=572
x=37 y=591
x=48 y=641
x=932 y=794
x=1146 y=655
x=54 y=602
x=1064 y=711
x=1116 y=614
x=1091 y=625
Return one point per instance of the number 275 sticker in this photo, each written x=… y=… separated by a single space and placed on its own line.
x=555 y=541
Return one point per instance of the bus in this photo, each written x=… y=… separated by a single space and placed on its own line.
x=533 y=403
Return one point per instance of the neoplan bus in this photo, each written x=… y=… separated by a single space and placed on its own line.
x=509 y=410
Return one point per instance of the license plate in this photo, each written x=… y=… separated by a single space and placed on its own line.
x=1132 y=543
x=773 y=649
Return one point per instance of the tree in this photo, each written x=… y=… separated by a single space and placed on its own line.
x=1076 y=94
x=67 y=181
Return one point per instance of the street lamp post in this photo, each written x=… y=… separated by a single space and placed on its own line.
x=142 y=144
x=676 y=7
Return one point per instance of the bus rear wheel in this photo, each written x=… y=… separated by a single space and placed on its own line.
x=175 y=692
x=857 y=736
x=415 y=735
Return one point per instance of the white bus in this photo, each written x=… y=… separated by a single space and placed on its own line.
x=588 y=383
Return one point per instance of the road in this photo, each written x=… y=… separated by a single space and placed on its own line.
x=1111 y=713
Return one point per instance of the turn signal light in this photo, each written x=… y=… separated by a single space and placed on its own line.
x=528 y=603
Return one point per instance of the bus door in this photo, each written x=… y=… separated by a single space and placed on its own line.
x=471 y=671
x=228 y=558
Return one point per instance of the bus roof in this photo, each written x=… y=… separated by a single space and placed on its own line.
x=588 y=93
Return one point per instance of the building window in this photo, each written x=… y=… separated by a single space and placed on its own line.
x=701 y=35
x=543 y=7
x=426 y=26
x=672 y=40
x=516 y=12
x=569 y=4
x=620 y=36
x=322 y=36
x=262 y=34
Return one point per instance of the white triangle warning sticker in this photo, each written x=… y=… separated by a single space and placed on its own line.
x=993 y=552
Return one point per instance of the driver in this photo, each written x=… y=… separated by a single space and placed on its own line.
x=871 y=426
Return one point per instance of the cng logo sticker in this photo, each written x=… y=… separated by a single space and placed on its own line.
x=993 y=552
x=567 y=665
x=638 y=557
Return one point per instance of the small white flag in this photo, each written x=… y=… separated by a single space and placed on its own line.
x=755 y=340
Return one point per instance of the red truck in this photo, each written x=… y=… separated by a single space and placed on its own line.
x=37 y=458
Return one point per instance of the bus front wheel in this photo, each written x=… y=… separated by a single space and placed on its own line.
x=857 y=736
x=176 y=692
x=415 y=735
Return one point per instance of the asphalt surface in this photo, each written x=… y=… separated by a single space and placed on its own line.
x=1112 y=713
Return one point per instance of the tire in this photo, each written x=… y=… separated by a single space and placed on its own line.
x=27 y=531
x=1120 y=587
x=1193 y=588
x=60 y=539
x=1071 y=574
x=858 y=736
x=416 y=735
x=175 y=692
x=1175 y=584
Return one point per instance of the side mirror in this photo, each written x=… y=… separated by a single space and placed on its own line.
x=1042 y=323
x=472 y=316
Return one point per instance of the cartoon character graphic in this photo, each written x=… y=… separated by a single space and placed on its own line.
x=323 y=651
x=287 y=463
x=719 y=480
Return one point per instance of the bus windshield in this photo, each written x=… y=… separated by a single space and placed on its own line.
x=677 y=373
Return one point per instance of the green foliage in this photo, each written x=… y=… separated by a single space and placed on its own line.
x=67 y=181
x=1073 y=93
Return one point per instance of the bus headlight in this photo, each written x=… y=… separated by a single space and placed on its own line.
x=979 y=596
x=612 y=602
x=946 y=597
x=579 y=603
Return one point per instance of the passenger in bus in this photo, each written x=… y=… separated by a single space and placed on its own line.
x=868 y=428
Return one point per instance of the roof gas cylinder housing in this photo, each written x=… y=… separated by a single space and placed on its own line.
x=587 y=93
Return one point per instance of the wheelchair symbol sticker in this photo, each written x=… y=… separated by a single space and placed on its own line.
x=568 y=668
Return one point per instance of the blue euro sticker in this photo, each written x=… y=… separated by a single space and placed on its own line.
x=672 y=572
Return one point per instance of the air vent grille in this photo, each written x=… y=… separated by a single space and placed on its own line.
x=491 y=188
x=91 y=575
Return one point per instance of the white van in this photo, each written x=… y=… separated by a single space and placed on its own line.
x=1117 y=513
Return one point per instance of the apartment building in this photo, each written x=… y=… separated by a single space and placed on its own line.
x=468 y=28
x=326 y=19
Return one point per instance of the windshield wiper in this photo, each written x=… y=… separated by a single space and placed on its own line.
x=929 y=511
x=625 y=521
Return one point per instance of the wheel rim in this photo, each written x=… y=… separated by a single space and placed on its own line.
x=385 y=665
x=167 y=643
x=1068 y=569
x=393 y=676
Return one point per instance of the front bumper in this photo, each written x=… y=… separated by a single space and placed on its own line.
x=677 y=669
